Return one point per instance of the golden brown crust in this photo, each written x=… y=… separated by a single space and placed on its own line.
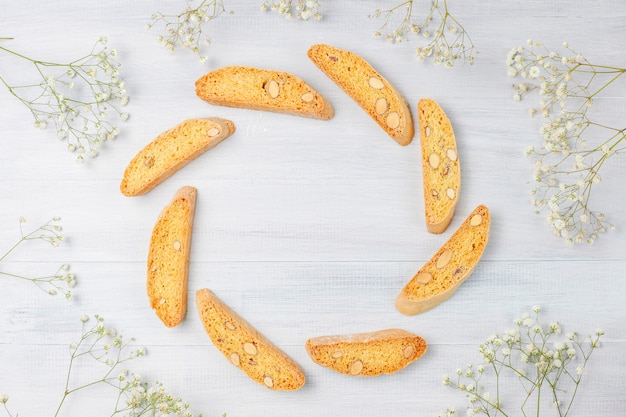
x=171 y=151
x=368 y=88
x=453 y=263
x=245 y=347
x=262 y=89
x=367 y=354
x=440 y=165
x=168 y=257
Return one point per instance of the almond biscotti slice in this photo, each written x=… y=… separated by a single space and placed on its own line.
x=367 y=354
x=168 y=257
x=441 y=171
x=368 y=89
x=453 y=263
x=262 y=89
x=245 y=347
x=171 y=151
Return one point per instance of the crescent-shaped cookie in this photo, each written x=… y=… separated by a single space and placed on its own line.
x=171 y=151
x=262 y=89
x=441 y=171
x=245 y=347
x=367 y=354
x=168 y=257
x=453 y=263
x=368 y=88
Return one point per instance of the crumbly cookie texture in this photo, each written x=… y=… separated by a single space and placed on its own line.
x=453 y=263
x=168 y=258
x=171 y=151
x=245 y=347
x=367 y=354
x=368 y=88
x=263 y=89
x=441 y=169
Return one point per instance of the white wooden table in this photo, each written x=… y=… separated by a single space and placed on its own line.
x=304 y=227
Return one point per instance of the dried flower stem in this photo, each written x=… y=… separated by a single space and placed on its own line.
x=448 y=42
x=566 y=166
x=185 y=29
x=62 y=280
x=111 y=352
x=304 y=10
x=530 y=354
x=76 y=97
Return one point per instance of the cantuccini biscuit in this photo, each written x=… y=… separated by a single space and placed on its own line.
x=262 y=89
x=368 y=88
x=453 y=263
x=171 y=151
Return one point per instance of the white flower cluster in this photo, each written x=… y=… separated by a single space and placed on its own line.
x=303 y=10
x=144 y=399
x=135 y=397
x=78 y=99
x=574 y=147
x=50 y=232
x=185 y=29
x=536 y=355
x=447 y=40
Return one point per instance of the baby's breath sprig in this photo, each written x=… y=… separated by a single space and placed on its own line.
x=185 y=29
x=549 y=368
x=575 y=147
x=447 y=39
x=62 y=281
x=111 y=351
x=76 y=97
x=303 y=10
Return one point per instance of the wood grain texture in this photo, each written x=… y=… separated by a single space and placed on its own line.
x=304 y=227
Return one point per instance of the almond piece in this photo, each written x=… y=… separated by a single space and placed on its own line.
x=376 y=83
x=213 y=132
x=408 y=351
x=476 y=220
x=452 y=155
x=381 y=105
x=250 y=348
x=356 y=367
x=268 y=381
x=337 y=354
x=433 y=160
x=307 y=97
x=427 y=131
x=451 y=193
x=272 y=88
x=393 y=120
x=444 y=258
x=229 y=325
x=148 y=161
x=234 y=359
x=176 y=245
x=423 y=277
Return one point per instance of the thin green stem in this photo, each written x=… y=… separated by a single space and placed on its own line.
x=11 y=249
x=67 y=382
x=4 y=404
x=38 y=62
x=10 y=51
